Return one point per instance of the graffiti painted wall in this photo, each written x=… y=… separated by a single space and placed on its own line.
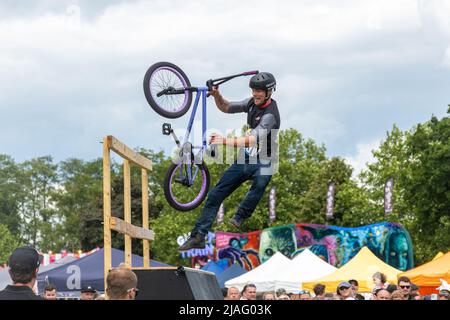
x=336 y=245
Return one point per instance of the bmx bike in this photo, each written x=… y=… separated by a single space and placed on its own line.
x=169 y=92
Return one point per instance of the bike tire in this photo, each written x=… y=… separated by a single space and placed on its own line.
x=160 y=76
x=183 y=205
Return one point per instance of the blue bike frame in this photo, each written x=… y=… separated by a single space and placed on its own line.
x=187 y=154
x=201 y=91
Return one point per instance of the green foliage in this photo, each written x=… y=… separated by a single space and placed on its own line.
x=428 y=190
x=8 y=243
x=12 y=193
x=60 y=206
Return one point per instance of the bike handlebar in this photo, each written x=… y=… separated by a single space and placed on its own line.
x=249 y=73
x=216 y=82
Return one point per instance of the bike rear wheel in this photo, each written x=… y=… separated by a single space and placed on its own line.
x=183 y=197
x=161 y=76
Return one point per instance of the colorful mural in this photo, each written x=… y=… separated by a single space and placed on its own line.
x=336 y=245
x=238 y=248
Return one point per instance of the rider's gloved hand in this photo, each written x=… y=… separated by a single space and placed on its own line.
x=214 y=92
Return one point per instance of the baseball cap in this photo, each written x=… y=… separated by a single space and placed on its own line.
x=444 y=293
x=25 y=258
x=344 y=284
x=88 y=289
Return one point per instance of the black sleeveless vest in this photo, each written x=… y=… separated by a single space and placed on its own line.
x=254 y=116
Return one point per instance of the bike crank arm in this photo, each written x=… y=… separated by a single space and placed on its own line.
x=167 y=130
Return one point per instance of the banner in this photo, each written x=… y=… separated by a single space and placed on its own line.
x=390 y=242
x=330 y=201
x=388 y=189
x=272 y=204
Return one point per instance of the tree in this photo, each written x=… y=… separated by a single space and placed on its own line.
x=8 y=243
x=428 y=190
x=78 y=201
x=38 y=212
x=12 y=193
x=392 y=160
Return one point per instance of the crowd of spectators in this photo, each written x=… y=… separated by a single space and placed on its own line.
x=121 y=284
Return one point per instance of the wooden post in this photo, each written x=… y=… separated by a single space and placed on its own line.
x=127 y=208
x=125 y=226
x=106 y=208
x=145 y=213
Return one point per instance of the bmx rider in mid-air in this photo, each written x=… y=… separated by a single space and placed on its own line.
x=263 y=119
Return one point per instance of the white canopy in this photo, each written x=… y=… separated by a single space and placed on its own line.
x=304 y=267
x=263 y=275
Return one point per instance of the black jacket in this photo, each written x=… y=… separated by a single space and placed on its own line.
x=18 y=293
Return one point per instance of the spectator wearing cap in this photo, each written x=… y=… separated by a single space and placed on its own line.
x=88 y=293
x=121 y=284
x=280 y=292
x=304 y=295
x=49 y=292
x=444 y=294
x=319 y=291
x=23 y=269
x=344 y=290
x=355 y=288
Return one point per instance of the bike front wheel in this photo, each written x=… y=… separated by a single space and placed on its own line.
x=159 y=78
x=186 y=196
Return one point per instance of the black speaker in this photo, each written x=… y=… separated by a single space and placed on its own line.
x=177 y=284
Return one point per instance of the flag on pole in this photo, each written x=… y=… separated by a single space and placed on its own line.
x=330 y=201
x=220 y=214
x=388 y=189
x=272 y=204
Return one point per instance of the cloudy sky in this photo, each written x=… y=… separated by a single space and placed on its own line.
x=71 y=71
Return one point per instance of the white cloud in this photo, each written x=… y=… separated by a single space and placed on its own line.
x=363 y=156
x=67 y=78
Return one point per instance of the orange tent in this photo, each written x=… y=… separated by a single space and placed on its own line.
x=427 y=275
x=361 y=268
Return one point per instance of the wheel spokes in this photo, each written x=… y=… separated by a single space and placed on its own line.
x=160 y=80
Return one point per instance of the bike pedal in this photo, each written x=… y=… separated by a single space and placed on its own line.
x=166 y=129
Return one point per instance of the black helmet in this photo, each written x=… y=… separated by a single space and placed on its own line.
x=263 y=81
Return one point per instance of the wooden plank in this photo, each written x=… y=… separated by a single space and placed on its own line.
x=127 y=208
x=129 y=154
x=126 y=228
x=106 y=208
x=145 y=243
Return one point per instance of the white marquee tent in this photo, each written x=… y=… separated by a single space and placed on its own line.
x=263 y=275
x=304 y=267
